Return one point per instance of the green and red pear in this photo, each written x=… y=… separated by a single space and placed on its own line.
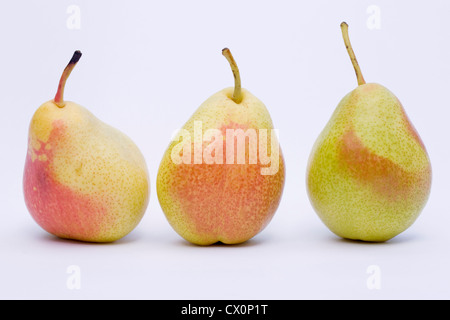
x=369 y=174
x=83 y=179
x=206 y=197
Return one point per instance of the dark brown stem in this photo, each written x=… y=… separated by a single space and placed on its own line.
x=59 y=97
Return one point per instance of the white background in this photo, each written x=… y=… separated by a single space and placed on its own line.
x=147 y=65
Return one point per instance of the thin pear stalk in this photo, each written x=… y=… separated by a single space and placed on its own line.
x=369 y=174
x=348 y=46
x=237 y=93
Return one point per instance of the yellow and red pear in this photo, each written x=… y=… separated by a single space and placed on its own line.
x=369 y=174
x=83 y=179
x=206 y=197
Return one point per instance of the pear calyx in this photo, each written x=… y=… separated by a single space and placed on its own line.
x=59 y=97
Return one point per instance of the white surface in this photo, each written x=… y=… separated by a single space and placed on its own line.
x=147 y=65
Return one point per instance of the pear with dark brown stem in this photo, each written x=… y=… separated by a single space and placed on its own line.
x=83 y=179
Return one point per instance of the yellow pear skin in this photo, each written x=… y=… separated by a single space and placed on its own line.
x=206 y=203
x=83 y=179
x=369 y=174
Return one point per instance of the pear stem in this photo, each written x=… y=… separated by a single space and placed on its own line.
x=59 y=97
x=359 y=76
x=237 y=94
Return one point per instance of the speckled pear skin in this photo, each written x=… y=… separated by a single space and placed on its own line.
x=228 y=203
x=83 y=179
x=369 y=174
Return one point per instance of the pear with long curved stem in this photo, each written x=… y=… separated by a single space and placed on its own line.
x=369 y=174
x=215 y=197
x=83 y=179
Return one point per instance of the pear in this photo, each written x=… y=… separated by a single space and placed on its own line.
x=368 y=174
x=83 y=179
x=213 y=186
